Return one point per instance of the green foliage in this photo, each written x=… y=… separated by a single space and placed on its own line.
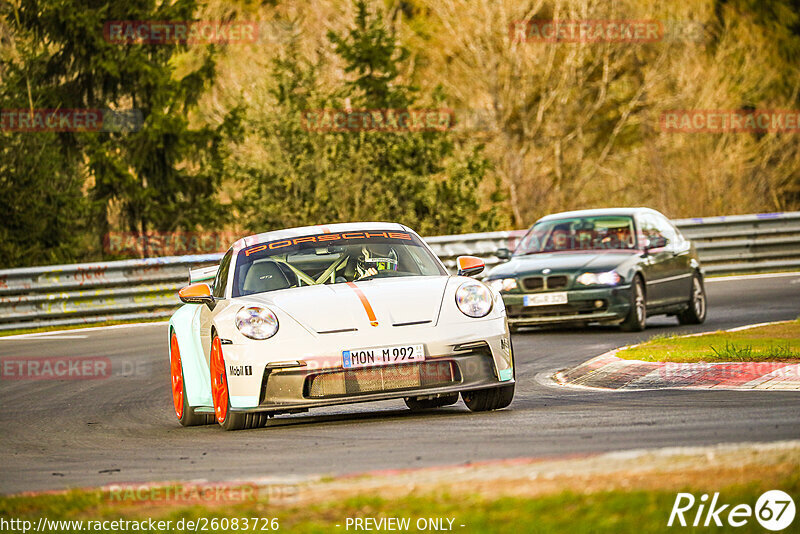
x=162 y=177
x=425 y=179
x=41 y=201
x=569 y=125
x=371 y=51
x=731 y=352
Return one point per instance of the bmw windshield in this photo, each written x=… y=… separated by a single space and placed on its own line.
x=335 y=258
x=579 y=234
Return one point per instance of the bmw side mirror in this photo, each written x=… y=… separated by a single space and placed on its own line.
x=656 y=242
x=469 y=265
x=503 y=254
x=199 y=293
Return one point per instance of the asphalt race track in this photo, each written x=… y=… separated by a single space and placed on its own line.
x=59 y=434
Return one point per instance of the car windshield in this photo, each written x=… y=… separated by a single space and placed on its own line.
x=334 y=258
x=579 y=233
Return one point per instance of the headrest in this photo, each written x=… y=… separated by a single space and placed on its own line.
x=265 y=276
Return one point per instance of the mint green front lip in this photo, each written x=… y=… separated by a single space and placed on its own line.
x=506 y=374
x=185 y=322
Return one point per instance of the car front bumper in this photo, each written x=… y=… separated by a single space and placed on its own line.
x=606 y=304
x=475 y=359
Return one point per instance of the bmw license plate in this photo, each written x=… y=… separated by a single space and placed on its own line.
x=545 y=299
x=383 y=356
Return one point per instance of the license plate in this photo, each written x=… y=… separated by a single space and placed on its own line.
x=545 y=299
x=382 y=356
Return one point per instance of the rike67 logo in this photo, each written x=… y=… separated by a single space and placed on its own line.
x=774 y=510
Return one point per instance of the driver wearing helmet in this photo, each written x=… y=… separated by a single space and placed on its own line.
x=371 y=263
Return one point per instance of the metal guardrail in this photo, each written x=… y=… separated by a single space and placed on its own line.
x=137 y=289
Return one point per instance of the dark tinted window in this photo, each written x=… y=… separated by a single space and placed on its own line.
x=336 y=258
x=579 y=233
x=654 y=226
x=222 y=275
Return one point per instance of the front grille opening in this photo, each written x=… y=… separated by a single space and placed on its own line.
x=556 y=282
x=533 y=283
x=381 y=378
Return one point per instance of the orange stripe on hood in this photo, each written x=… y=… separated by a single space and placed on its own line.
x=364 y=302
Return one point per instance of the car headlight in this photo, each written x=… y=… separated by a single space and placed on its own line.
x=474 y=299
x=503 y=284
x=256 y=322
x=610 y=278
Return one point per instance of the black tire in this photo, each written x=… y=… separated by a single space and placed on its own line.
x=636 y=320
x=234 y=420
x=243 y=421
x=698 y=304
x=190 y=417
x=416 y=404
x=482 y=400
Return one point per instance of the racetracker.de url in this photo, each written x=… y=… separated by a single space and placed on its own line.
x=200 y=524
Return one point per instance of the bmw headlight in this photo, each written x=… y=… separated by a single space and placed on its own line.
x=256 y=322
x=474 y=299
x=610 y=278
x=503 y=284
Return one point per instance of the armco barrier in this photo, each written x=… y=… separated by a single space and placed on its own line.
x=138 y=289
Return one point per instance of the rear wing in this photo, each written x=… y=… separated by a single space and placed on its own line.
x=203 y=274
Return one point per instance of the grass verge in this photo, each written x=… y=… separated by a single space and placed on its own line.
x=620 y=493
x=619 y=511
x=778 y=342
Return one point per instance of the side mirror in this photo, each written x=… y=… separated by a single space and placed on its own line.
x=199 y=293
x=469 y=265
x=503 y=254
x=656 y=242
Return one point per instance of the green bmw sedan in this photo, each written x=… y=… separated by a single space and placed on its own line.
x=612 y=266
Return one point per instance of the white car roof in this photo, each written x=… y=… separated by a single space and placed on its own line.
x=314 y=230
x=597 y=212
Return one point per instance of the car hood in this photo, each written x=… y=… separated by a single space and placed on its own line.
x=336 y=307
x=561 y=262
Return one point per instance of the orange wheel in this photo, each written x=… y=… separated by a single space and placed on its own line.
x=227 y=418
x=219 y=381
x=176 y=370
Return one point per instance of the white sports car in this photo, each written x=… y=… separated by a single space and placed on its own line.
x=318 y=316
